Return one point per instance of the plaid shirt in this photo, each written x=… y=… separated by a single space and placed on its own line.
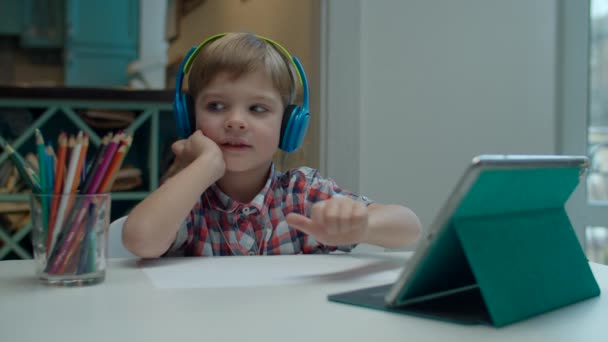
x=219 y=225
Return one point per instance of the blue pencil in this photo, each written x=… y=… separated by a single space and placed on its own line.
x=42 y=164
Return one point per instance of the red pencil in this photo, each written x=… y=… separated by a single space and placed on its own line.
x=63 y=142
x=103 y=165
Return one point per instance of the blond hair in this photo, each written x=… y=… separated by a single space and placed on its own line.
x=238 y=54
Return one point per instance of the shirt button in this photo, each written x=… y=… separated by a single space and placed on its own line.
x=246 y=210
x=251 y=253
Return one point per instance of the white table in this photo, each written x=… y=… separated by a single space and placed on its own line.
x=128 y=307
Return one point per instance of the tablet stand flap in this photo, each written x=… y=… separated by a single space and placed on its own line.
x=525 y=263
x=464 y=306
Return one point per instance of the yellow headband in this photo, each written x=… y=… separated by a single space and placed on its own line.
x=220 y=35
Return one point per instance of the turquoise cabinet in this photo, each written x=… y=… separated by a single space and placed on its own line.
x=110 y=24
x=101 y=40
x=11 y=17
x=43 y=23
x=96 y=68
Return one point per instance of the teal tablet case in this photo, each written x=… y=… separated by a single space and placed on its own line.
x=509 y=252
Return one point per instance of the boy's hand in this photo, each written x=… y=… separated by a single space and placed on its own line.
x=197 y=146
x=337 y=221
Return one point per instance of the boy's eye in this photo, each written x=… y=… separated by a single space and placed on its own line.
x=215 y=106
x=258 y=109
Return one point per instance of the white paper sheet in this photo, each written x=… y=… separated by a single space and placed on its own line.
x=268 y=270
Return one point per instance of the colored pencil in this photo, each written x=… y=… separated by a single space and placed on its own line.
x=81 y=161
x=43 y=177
x=50 y=167
x=59 y=178
x=94 y=165
x=72 y=249
x=119 y=157
x=71 y=240
x=86 y=251
x=23 y=170
x=67 y=190
x=41 y=160
x=103 y=165
x=75 y=234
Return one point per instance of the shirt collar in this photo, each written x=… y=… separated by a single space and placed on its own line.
x=218 y=200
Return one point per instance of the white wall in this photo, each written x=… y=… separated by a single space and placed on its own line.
x=438 y=82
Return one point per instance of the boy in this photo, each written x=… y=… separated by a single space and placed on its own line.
x=228 y=199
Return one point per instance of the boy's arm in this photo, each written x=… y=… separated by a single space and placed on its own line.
x=152 y=225
x=391 y=226
x=341 y=221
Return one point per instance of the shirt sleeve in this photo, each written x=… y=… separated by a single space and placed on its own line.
x=320 y=189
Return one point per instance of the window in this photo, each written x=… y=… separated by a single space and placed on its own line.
x=596 y=231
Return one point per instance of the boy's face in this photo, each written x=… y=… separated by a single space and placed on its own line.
x=243 y=116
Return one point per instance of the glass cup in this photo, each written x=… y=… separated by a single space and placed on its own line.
x=69 y=236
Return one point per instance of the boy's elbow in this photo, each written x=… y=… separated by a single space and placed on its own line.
x=134 y=239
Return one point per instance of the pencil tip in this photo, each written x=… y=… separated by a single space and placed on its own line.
x=39 y=139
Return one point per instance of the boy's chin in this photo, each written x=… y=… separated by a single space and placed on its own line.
x=242 y=166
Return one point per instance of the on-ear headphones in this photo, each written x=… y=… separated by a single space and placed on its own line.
x=295 y=118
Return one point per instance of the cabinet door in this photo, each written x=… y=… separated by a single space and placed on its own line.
x=107 y=24
x=102 y=39
x=87 y=67
x=12 y=16
x=43 y=23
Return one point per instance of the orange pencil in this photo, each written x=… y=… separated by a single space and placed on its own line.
x=60 y=166
x=119 y=157
x=83 y=153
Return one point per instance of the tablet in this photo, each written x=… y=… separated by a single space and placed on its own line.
x=511 y=194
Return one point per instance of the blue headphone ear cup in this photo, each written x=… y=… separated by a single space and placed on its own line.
x=182 y=116
x=177 y=115
x=300 y=127
x=295 y=123
x=288 y=113
x=189 y=114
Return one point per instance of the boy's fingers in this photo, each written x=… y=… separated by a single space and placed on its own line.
x=325 y=216
x=302 y=223
x=346 y=216
x=178 y=147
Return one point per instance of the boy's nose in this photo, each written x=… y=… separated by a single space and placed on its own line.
x=235 y=121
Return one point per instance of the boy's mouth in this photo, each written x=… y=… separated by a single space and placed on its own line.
x=237 y=144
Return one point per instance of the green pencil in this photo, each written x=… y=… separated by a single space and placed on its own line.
x=23 y=169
